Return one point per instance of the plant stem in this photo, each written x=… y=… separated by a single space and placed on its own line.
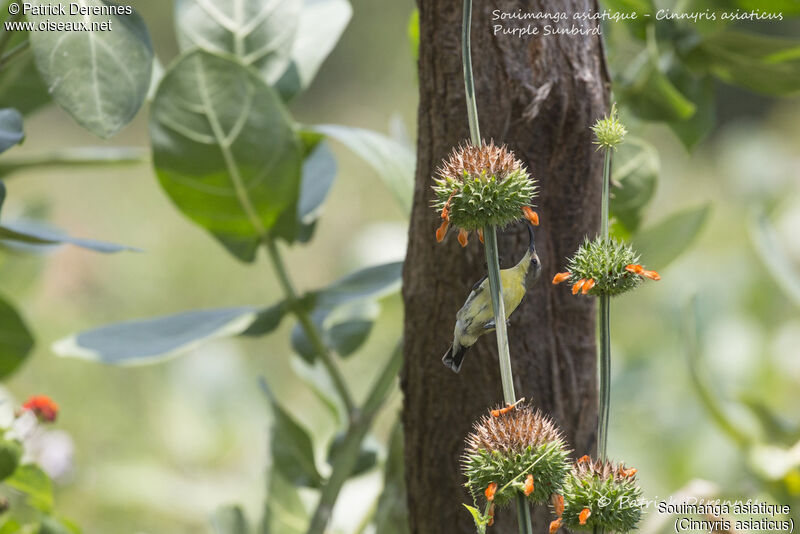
x=496 y=290
x=604 y=408
x=310 y=329
x=490 y=247
x=345 y=460
x=13 y=53
x=604 y=215
x=7 y=34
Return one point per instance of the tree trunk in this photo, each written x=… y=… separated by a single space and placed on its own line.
x=539 y=95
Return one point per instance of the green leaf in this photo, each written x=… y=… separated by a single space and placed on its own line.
x=344 y=329
x=346 y=309
x=230 y=520
x=297 y=222
x=266 y=320
x=370 y=283
x=774 y=257
x=20 y=82
x=260 y=34
x=11 y=132
x=38 y=233
x=643 y=8
x=478 y=518
x=319 y=382
x=291 y=447
x=394 y=162
x=391 y=514
x=51 y=525
x=2 y=194
x=99 y=77
x=16 y=341
x=151 y=340
x=35 y=484
x=367 y=457
x=284 y=512
x=764 y=64
x=634 y=179
x=10 y=455
x=652 y=96
x=224 y=149
x=74 y=157
x=321 y=24
x=700 y=90
x=663 y=242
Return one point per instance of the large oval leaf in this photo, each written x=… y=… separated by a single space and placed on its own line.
x=98 y=68
x=285 y=40
x=16 y=341
x=259 y=33
x=149 y=340
x=38 y=233
x=663 y=242
x=636 y=168
x=393 y=162
x=224 y=149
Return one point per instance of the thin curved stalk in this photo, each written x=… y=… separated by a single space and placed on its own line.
x=490 y=247
x=604 y=408
x=310 y=329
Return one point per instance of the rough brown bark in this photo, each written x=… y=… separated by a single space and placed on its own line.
x=539 y=95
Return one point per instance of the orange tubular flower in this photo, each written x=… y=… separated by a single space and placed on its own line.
x=577 y=286
x=634 y=268
x=561 y=277
x=627 y=473
x=43 y=407
x=480 y=235
x=585 y=459
x=584 y=516
x=652 y=275
x=558 y=504
x=463 y=237
x=587 y=286
x=508 y=408
x=491 y=516
x=490 y=491
x=527 y=489
x=555 y=525
x=531 y=215
x=442 y=231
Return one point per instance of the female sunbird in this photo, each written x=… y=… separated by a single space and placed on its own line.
x=476 y=316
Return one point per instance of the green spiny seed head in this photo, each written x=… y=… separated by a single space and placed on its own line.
x=482 y=186
x=521 y=451
x=611 y=265
x=610 y=494
x=608 y=131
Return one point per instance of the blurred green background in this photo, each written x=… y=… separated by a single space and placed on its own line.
x=157 y=448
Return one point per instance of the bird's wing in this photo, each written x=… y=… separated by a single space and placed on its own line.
x=479 y=282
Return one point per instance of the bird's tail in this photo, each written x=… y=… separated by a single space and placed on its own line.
x=454 y=357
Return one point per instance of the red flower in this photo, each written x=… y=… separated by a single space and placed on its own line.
x=43 y=407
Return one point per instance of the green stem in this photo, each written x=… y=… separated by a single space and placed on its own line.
x=604 y=216
x=490 y=247
x=496 y=290
x=604 y=408
x=14 y=53
x=469 y=81
x=7 y=34
x=310 y=329
x=605 y=377
x=345 y=460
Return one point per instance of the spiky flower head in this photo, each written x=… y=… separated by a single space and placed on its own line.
x=608 y=131
x=601 y=495
x=479 y=186
x=604 y=267
x=513 y=452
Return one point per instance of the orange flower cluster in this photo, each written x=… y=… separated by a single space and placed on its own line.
x=43 y=407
